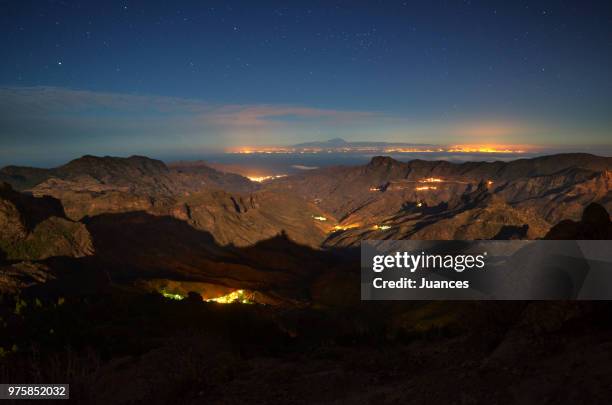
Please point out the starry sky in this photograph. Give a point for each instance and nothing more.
(173, 77)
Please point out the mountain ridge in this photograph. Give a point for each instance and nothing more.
(336, 205)
(374, 196)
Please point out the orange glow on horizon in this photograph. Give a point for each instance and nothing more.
(487, 149)
(458, 148)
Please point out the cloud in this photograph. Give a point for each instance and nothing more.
(60, 103)
(43, 99)
(35, 121)
(302, 167)
(32, 114)
(266, 115)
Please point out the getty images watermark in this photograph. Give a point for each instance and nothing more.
(494, 270)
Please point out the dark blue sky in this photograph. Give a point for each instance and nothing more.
(127, 77)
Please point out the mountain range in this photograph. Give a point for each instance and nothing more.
(186, 221)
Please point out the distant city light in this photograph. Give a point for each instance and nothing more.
(377, 149)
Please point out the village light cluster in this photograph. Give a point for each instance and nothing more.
(261, 179)
(431, 180)
(237, 296)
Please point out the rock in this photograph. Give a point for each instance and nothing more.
(18, 276)
(35, 228)
(595, 224)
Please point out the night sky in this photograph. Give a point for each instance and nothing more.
(142, 77)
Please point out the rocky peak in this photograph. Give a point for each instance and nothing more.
(337, 142)
(113, 166)
(594, 225)
(36, 228)
(12, 226)
(383, 161)
(5, 187)
(595, 214)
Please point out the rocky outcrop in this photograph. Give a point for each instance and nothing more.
(36, 228)
(594, 225)
(18, 276)
(198, 175)
(243, 220)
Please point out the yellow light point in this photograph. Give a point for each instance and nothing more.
(238, 296)
(319, 218)
(374, 189)
(419, 204)
(345, 227)
(431, 180)
(489, 182)
(171, 296)
(424, 188)
(381, 227)
(261, 179)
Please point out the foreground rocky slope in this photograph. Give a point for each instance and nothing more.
(40, 246)
(351, 351)
(594, 224)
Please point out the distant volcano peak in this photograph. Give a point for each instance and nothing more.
(336, 141)
(330, 143)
